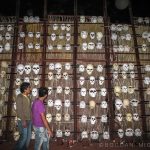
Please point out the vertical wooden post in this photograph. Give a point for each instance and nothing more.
(74, 69)
(140, 86)
(12, 72)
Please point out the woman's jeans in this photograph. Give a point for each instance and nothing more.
(41, 138)
(25, 136)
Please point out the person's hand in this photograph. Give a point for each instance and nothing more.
(24, 123)
(50, 134)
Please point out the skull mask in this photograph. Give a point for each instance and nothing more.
(92, 92)
(136, 117)
(67, 117)
(34, 92)
(103, 91)
(49, 117)
(84, 34)
(81, 68)
(68, 36)
(99, 68)
(59, 89)
(67, 90)
(67, 133)
(118, 104)
(68, 27)
(82, 80)
(58, 67)
(134, 102)
(67, 103)
(17, 91)
(104, 118)
(106, 135)
(50, 90)
(82, 19)
(2, 90)
(16, 135)
(50, 103)
(92, 80)
(138, 132)
(129, 117)
(84, 119)
(92, 104)
(91, 46)
(37, 46)
(89, 69)
(94, 135)
(36, 68)
(99, 45)
(51, 66)
(58, 117)
(120, 133)
(83, 91)
(82, 104)
(27, 69)
(67, 66)
(50, 76)
(92, 35)
(129, 132)
(55, 26)
(58, 104)
(119, 117)
(37, 35)
(27, 79)
(59, 133)
(93, 120)
(53, 36)
(36, 81)
(68, 47)
(84, 135)
(65, 76)
(18, 81)
(58, 75)
(99, 36)
(84, 46)
(101, 80)
(104, 104)
(124, 89)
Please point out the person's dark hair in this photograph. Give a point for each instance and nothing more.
(24, 86)
(43, 91)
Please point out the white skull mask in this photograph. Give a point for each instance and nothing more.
(51, 66)
(20, 69)
(93, 19)
(7, 47)
(67, 132)
(106, 135)
(37, 35)
(36, 81)
(58, 104)
(58, 117)
(131, 66)
(50, 76)
(37, 46)
(89, 69)
(99, 68)
(81, 68)
(99, 45)
(58, 67)
(84, 119)
(50, 90)
(22, 34)
(18, 81)
(119, 27)
(147, 68)
(34, 92)
(104, 118)
(124, 89)
(119, 117)
(146, 80)
(129, 132)
(61, 36)
(16, 135)
(120, 133)
(62, 26)
(67, 90)
(82, 104)
(146, 20)
(144, 47)
(101, 80)
(118, 104)
(30, 45)
(17, 91)
(68, 27)
(27, 79)
(92, 35)
(33, 135)
(3, 74)
(59, 89)
(92, 92)
(91, 46)
(8, 36)
(103, 91)
(65, 76)
(49, 117)
(128, 37)
(84, 46)
(84, 34)
(100, 19)
(114, 36)
(67, 103)
(121, 48)
(55, 26)
(59, 133)
(50, 47)
(125, 67)
(36, 68)
(93, 120)
(30, 34)
(82, 80)
(115, 67)
(124, 75)
(50, 103)
(27, 69)
(134, 102)
(59, 46)
(26, 19)
(68, 47)
(67, 117)
(20, 46)
(92, 80)
(136, 117)
(104, 104)
(117, 90)
(83, 91)
(94, 135)
(53, 36)
(58, 75)
(68, 36)
(82, 19)
(132, 74)
(2, 27)
(2, 90)
(138, 132)
(99, 36)
(67, 66)
(84, 135)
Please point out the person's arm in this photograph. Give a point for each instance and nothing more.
(46, 124)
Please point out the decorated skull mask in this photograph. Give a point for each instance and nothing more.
(92, 80)
(20, 69)
(129, 132)
(36, 68)
(34, 92)
(92, 92)
(120, 133)
(118, 104)
(58, 67)
(93, 120)
(83, 91)
(50, 103)
(58, 104)
(27, 69)
(103, 91)
(115, 75)
(82, 80)
(81, 68)
(104, 104)
(94, 135)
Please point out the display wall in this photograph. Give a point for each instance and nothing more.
(98, 82)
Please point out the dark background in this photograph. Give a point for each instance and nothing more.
(141, 8)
